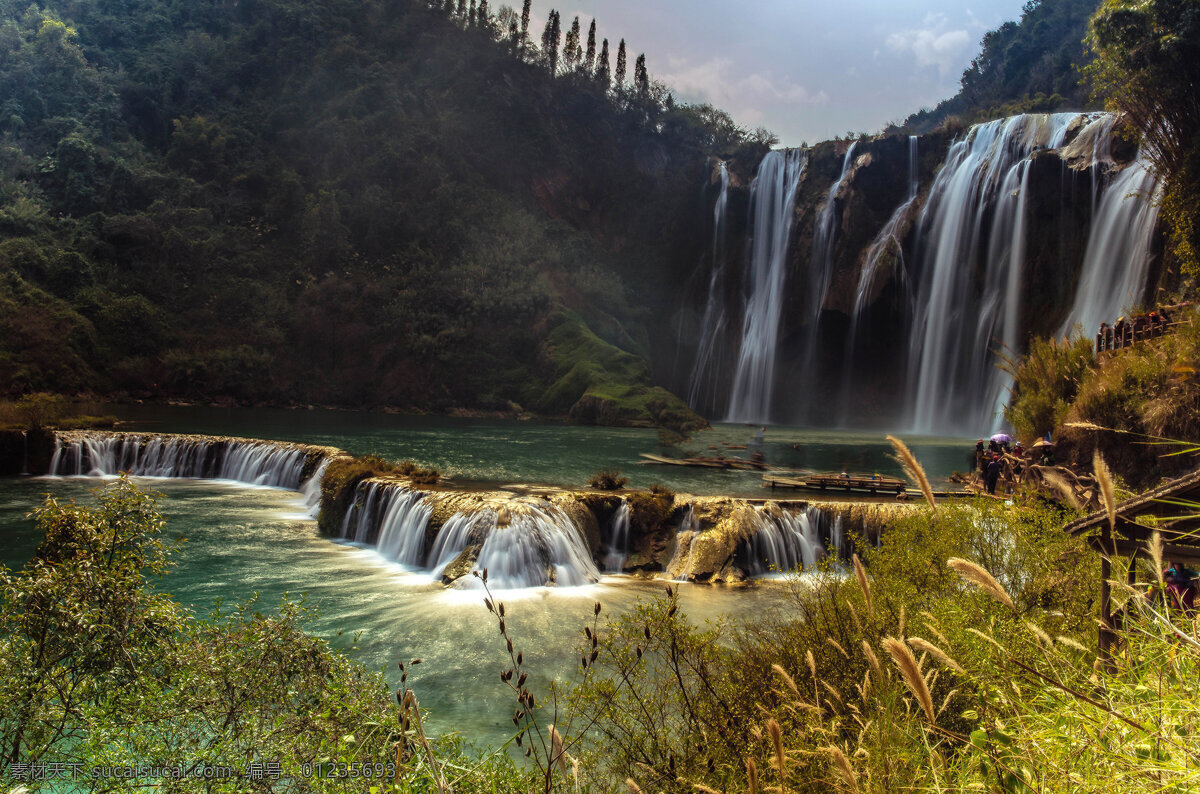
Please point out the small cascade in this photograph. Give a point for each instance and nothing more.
(1119, 250)
(310, 490)
(361, 523)
(251, 462)
(679, 569)
(522, 544)
(977, 198)
(455, 535)
(772, 204)
(886, 250)
(402, 528)
(617, 541)
(539, 546)
(820, 266)
(784, 541)
(704, 371)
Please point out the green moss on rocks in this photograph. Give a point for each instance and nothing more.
(596, 382)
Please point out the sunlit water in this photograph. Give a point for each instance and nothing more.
(508, 451)
(239, 540)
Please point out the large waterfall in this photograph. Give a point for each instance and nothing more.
(1118, 255)
(954, 384)
(1005, 238)
(522, 543)
(772, 204)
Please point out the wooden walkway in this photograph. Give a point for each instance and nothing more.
(1130, 538)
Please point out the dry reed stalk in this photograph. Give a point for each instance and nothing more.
(633, 787)
(705, 789)
(863, 584)
(812, 663)
(946, 702)
(935, 652)
(977, 575)
(907, 664)
(872, 659)
(844, 767)
(1059, 483)
(776, 734)
(1070, 643)
(983, 636)
(837, 645)
(832, 691)
(1040, 633)
(1156, 554)
(558, 754)
(913, 469)
(752, 775)
(787, 679)
(1107, 489)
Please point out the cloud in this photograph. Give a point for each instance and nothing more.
(933, 44)
(715, 81)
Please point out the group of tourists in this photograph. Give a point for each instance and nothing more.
(1125, 332)
(1002, 452)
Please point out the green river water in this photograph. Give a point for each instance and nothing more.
(241, 540)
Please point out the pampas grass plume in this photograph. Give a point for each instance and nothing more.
(903, 657)
(752, 774)
(787, 679)
(977, 575)
(913, 468)
(863, 584)
(844, 767)
(776, 734)
(1107, 490)
(935, 652)
(1062, 486)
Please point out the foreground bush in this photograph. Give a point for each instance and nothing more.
(824, 694)
(100, 668)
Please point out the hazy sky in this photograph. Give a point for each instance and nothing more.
(805, 70)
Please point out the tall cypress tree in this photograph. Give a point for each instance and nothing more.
(619, 77)
(525, 26)
(483, 18)
(462, 9)
(602, 76)
(589, 60)
(471, 15)
(572, 53)
(551, 36)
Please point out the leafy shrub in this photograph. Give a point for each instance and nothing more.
(608, 480)
(99, 667)
(1045, 382)
(418, 475)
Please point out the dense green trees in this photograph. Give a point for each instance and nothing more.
(325, 201)
(1027, 66)
(1148, 67)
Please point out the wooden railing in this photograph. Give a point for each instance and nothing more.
(1115, 337)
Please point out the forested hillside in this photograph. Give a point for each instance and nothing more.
(1032, 65)
(338, 201)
